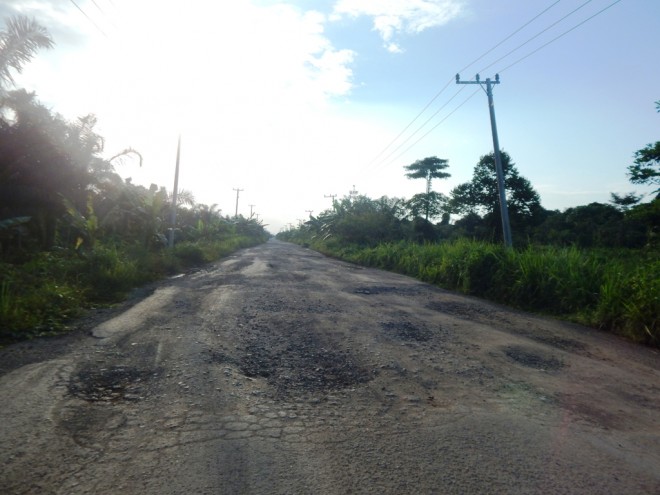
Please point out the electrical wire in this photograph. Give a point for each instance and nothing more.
(89, 18)
(423, 124)
(536, 35)
(411, 122)
(377, 159)
(435, 126)
(385, 160)
(509, 37)
(560, 36)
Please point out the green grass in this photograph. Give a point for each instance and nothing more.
(615, 290)
(40, 296)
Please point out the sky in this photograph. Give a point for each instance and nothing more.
(292, 101)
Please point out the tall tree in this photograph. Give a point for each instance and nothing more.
(19, 42)
(646, 167)
(428, 169)
(480, 195)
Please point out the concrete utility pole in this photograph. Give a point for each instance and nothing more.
(504, 211)
(237, 193)
(251, 206)
(332, 197)
(175, 194)
(310, 212)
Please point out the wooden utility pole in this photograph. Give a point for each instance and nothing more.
(237, 193)
(175, 194)
(504, 211)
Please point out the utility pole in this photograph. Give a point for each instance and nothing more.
(175, 194)
(251, 206)
(504, 211)
(237, 193)
(353, 192)
(310, 212)
(332, 197)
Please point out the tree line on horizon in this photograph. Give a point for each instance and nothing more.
(624, 222)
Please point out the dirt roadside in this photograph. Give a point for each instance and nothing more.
(279, 371)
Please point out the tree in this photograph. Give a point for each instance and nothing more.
(428, 169)
(646, 167)
(19, 41)
(480, 195)
(624, 202)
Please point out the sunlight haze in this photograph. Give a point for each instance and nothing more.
(293, 100)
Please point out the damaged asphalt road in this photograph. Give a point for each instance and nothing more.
(280, 371)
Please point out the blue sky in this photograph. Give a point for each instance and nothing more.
(294, 100)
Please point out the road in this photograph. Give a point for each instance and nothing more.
(280, 371)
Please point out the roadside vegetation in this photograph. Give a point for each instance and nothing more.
(73, 233)
(597, 264)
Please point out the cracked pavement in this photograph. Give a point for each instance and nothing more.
(280, 371)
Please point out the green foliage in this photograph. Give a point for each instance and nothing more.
(428, 169)
(430, 203)
(480, 197)
(40, 296)
(596, 225)
(616, 290)
(646, 167)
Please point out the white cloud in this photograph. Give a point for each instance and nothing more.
(251, 88)
(393, 18)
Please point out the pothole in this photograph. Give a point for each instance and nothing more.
(404, 330)
(109, 384)
(303, 367)
(533, 359)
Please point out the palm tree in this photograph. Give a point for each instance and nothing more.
(19, 41)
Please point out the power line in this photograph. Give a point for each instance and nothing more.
(449, 82)
(508, 37)
(434, 127)
(536, 35)
(421, 126)
(89, 18)
(98, 7)
(412, 121)
(560, 36)
(490, 65)
(104, 14)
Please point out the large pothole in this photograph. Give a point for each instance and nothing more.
(116, 383)
(302, 367)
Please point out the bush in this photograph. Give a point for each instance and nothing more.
(39, 296)
(616, 290)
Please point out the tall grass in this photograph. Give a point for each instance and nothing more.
(615, 290)
(39, 297)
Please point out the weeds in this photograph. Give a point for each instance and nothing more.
(38, 297)
(615, 290)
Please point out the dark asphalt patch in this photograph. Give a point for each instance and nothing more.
(404, 330)
(380, 289)
(304, 366)
(109, 384)
(533, 359)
